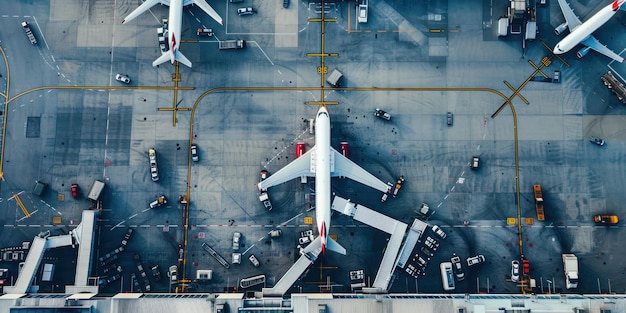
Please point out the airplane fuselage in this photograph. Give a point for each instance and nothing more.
(175, 25)
(322, 173)
(585, 29)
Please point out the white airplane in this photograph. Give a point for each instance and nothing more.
(174, 22)
(582, 32)
(322, 162)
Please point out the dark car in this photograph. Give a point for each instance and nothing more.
(450, 118)
(382, 114)
(597, 141)
(127, 235)
(285, 4)
(156, 272)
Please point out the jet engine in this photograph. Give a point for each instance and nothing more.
(560, 29)
(581, 53)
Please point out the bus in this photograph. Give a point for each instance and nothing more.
(447, 277)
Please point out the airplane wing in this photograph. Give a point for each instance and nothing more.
(571, 18)
(594, 44)
(298, 167)
(143, 8)
(347, 168)
(206, 8)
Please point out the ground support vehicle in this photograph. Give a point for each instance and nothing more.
(232, 44)
(570, 268)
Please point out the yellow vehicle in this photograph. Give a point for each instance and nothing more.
(606, 219)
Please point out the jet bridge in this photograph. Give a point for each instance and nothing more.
(372, 218)
(83, 233)
(381, 222)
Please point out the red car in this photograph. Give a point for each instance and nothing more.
(300, 149)
(345, 149)
(75, 190)
(526, 266)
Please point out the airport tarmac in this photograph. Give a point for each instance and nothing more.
(80, 134)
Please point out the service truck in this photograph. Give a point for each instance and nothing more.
(334, 79)
(39, 188)
(232, 44)
(263, 197)
(503, 26)
(96, 190)
(531, 25)
(570, 267)
(539, 202)
(29, 33)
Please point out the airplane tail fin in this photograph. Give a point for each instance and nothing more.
(167, 57)
(333, 245)
(315, 248)
(162, 59)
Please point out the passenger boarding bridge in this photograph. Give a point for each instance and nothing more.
(82, 235)
(396, 253)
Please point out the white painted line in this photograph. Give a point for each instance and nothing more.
(243, 253)
(118, 224)
(132, 216)
(266, 56)
(41, 33)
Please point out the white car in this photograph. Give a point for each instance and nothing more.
(439, 232)
(305, 240)
(194, 153)
(173, 274)
(475, 161)
(515, 271)
(245, 11)
(236, 258)
(236, 237)
(254, 260)
(362, 13)
(122, 78)
(473, 260)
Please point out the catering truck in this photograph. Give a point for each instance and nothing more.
(96, 190)
(570, 267)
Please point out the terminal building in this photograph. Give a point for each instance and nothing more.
(313, 303)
